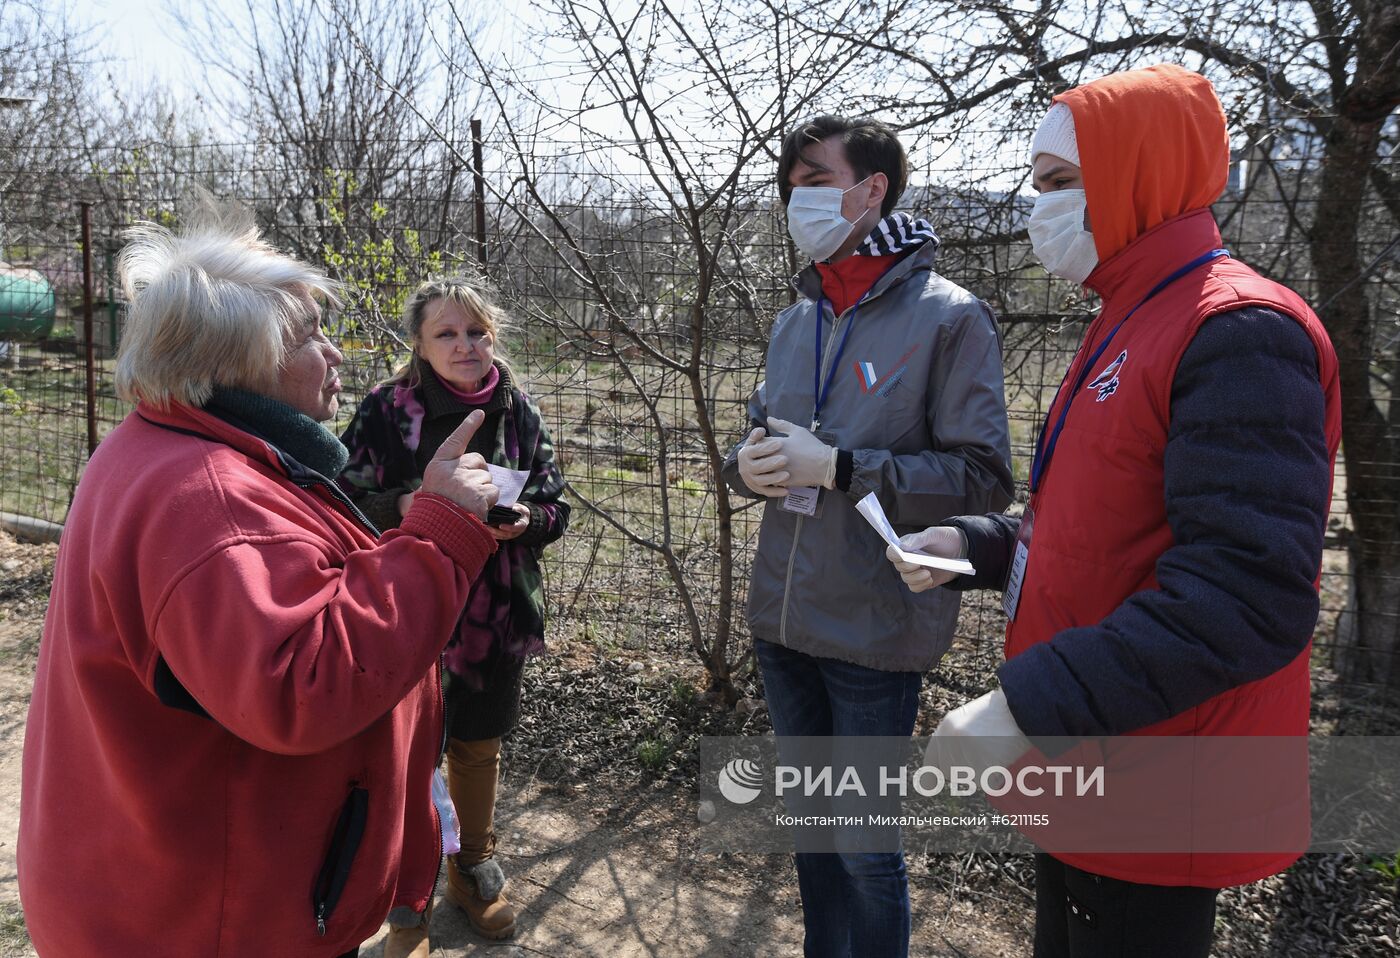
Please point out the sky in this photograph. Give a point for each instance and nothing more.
(142, 38)
(144, 44)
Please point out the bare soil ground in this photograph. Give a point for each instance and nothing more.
(617, 876)
(599, 836)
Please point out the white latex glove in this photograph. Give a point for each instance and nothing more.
(761, 466)
(810, 461)
(978, 734)
(947, 542)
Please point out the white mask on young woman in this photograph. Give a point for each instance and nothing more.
(815, 222)
(1058, 236)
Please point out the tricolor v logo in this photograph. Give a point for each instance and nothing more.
(870, 382)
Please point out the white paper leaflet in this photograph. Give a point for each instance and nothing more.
(875, 515)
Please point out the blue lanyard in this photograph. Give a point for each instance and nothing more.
(1043, 452)
(820, 389)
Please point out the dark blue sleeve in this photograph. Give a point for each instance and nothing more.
(1247, 480)
(991, 542)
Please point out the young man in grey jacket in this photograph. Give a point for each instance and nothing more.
(884, 377)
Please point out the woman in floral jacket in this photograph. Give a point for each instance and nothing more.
(454, 369)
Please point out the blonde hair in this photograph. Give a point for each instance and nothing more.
(466, 293)
(212, 304)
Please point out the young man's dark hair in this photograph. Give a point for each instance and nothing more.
(871, 147)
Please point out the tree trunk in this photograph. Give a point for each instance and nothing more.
(1368, 635)
(1369, 647)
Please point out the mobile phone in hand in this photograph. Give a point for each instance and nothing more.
(501, 516)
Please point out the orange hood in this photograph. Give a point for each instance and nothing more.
(1152, 145)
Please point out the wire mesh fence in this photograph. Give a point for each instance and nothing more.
(640, 333)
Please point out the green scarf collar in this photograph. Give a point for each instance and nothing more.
(293, 432)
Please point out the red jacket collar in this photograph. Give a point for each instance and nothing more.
(189, 419)
(1130, 274)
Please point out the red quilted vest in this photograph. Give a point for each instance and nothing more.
(1100, 511)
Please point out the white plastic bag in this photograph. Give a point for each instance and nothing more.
(447, 815)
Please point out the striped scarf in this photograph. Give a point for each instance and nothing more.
(897, 233)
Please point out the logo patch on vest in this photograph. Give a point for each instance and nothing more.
(1106, 382)
(882, 385)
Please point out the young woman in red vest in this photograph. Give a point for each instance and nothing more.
(1163, 578)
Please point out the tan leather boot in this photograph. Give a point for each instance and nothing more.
(473, 768)
(410, 942)
(407, 943)
(474, 879)
(494, 919)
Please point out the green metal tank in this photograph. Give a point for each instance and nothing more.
(27, 304)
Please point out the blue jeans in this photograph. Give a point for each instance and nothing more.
(854, 904)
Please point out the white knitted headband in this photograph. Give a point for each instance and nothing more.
(1056, 135)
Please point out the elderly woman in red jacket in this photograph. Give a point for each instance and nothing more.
(237, 711)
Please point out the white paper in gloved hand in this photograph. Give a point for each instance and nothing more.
(875, 515)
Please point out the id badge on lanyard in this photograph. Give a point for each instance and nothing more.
(1011, 598)
(802, 501)
(807, 500)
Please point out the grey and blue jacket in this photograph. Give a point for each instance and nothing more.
(917, 406)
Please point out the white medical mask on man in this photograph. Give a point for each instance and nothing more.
(1058, 236)
(815, 222)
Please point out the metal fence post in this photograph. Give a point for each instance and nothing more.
(89, 359)
(479, 186)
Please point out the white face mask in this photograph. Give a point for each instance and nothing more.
(815, 222)
(1058, 235)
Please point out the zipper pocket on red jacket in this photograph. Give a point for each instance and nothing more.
(437, 816)
(337, 494)
(335, 870)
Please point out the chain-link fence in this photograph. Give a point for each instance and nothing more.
(639, 332)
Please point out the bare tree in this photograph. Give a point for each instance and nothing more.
(348, 172)
(45, 64)
(668, 285)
